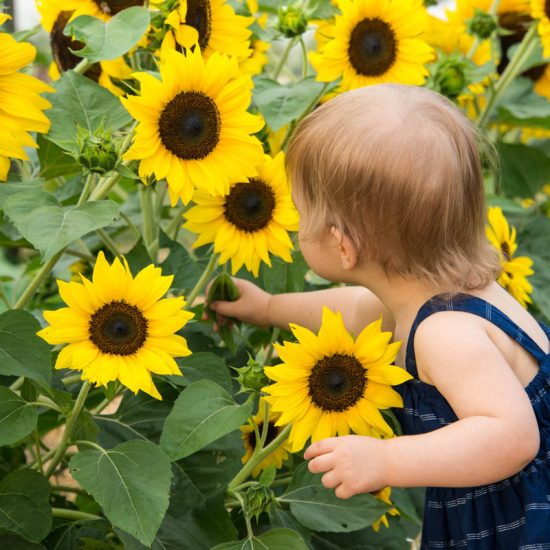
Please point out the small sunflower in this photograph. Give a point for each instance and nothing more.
(250, 221)
(540, 9)
(212, 24)
(56, 14)
(278, 456)
(118, 327)
(258, 59)
(384, 496)
(514, 270)
(375, 42)
(194, 129)
(20, 103)
(329, 384)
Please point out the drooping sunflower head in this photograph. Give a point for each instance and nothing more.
(515, 270)
(194, 128)
(375, 42)
(117, 327)
(249, 439)
(329, 384)
(250, 221)
(213, 25)
(384, 495)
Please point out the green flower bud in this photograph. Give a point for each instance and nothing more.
(97, 152)
(292, 21)
(258, 498)
(450, 76)
(251, 377)
(482, 24)
(222, 288)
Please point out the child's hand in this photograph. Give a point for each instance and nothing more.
(353, 464)
(251, 306)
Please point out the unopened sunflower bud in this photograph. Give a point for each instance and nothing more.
(222, 288)
(251, 377)
(292, 21)
(258, 498)
(97, 152)
(482, 24)
(450, 76)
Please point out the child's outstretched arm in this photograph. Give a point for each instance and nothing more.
(495, 437)
(358, 306)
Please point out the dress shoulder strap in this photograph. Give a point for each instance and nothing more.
(477, 306)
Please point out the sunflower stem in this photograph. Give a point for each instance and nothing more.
(257, 457)
(131, 225)
(44, 458)
(77, 515)
(271, 349)
(69, 427)
(249, 530)
(108, 242)
(201, 283)
(82, 67)
(151, 243)
(265, 426)
(291, 43)
(85, 193)
(304, 56)
(513, 69)
(172, 229)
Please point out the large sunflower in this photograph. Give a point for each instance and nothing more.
(55, 15)
(514, 270)
(250, 221)
(329, 384)
(375, 42)
(20, 103)
(540, 9)
(278, 456)
(212, 24)
(118, 327)
(194, 129)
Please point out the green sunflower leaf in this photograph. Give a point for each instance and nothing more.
(50, 227)
(24, 505)
(17, 417)
(202, 413)
(111, 39)
(281, 104)
(80, 102)
(130, 482)
(276, 539)
(22, 352)
(318, 508)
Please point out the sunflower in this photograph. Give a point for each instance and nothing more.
(20, 103)
(514, 270)
(384, 496)
(55, 15)
(193, 125)
(117, 327)
(258, 59)
(375, 42)
(250, 221)
(212, 24)
(330, 384)
(540, 9)
(278, 456)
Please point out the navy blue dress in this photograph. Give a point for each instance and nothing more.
(511, 514)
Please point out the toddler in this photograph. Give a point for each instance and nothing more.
(389, 186)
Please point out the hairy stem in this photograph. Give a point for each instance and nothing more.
(201, 283)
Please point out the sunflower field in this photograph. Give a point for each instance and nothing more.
(142, 156)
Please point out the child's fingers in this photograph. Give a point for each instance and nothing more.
(320, 447)
(321, 463)
(330, 480)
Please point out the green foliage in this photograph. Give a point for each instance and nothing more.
(48, 225)
(17, 417)
(22, 353)
(317, 507)
(202, 413)
(141, 473)
(111, 39)
(276, 539)
(24, 505)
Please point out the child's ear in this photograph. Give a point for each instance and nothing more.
(348, 251)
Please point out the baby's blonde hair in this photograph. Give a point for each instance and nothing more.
(397, 169)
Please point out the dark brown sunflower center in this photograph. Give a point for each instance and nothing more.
(199, 17)
(62, 45)
(249, 205)
(505, 247)
(337, 382)
(118, 328)
(112, 7)
(372, 47)
(547, 8)
(189, 125)
(272, 433)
